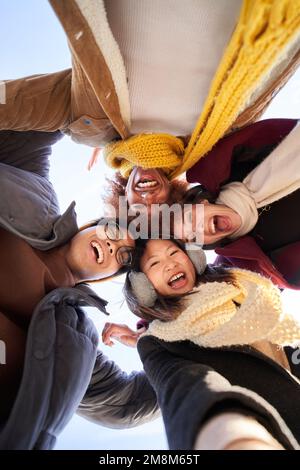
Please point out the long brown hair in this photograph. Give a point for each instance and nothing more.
(167, 308)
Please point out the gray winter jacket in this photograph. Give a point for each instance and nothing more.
(62, 368)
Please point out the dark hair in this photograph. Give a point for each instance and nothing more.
(198, 193)
(116, 187)
(167, 308)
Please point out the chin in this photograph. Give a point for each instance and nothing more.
(187, 290)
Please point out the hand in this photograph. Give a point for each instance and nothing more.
(94, 158)
(121, 333)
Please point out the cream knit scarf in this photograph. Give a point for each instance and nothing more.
(276, 177)
(212, 318)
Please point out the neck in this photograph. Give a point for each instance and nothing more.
(64, 253)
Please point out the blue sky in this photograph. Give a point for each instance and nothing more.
(32, 41)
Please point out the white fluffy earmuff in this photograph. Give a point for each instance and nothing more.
(143, 289)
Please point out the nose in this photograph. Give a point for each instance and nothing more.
(170, 265)
(111, 246)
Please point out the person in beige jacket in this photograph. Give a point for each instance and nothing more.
(90, 101)
(135, 69)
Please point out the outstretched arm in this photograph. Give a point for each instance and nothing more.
(28, 151)
(190, 393)
(38, 102)
(116, 399)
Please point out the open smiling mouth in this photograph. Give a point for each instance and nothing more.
(98, 251)
(177, 280)
(147, 184)
(219, 223)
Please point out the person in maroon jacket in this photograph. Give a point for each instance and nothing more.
(268, 243)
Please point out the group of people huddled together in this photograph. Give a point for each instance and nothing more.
(170, 95)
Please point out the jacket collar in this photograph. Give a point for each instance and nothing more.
(85, 22)
(63, 230)
(81, 296)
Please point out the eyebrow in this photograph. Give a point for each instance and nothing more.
(157, 254)
(153, 256)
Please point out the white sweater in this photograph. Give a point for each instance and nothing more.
(171, 50)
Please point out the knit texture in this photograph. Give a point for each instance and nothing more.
(167, 81)
(267, 30)
(145, 150)
(220, 314)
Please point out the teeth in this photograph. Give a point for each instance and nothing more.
(212, 226)
(176, 276)
(147, 184)
(98, 248)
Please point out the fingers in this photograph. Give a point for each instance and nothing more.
(107, 333)
(121, 333)
(94, 158)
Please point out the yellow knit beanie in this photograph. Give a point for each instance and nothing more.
(267, 30)
(146, 150)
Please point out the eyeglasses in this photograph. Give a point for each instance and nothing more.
(124, 254)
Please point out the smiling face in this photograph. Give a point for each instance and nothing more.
(92, 255)
(147, 187)
(168, 268)
(218, 222)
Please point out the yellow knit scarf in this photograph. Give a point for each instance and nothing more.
(218, 314)
(265, 32)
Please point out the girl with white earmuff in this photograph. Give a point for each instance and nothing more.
(211, 306)
(215, 345)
